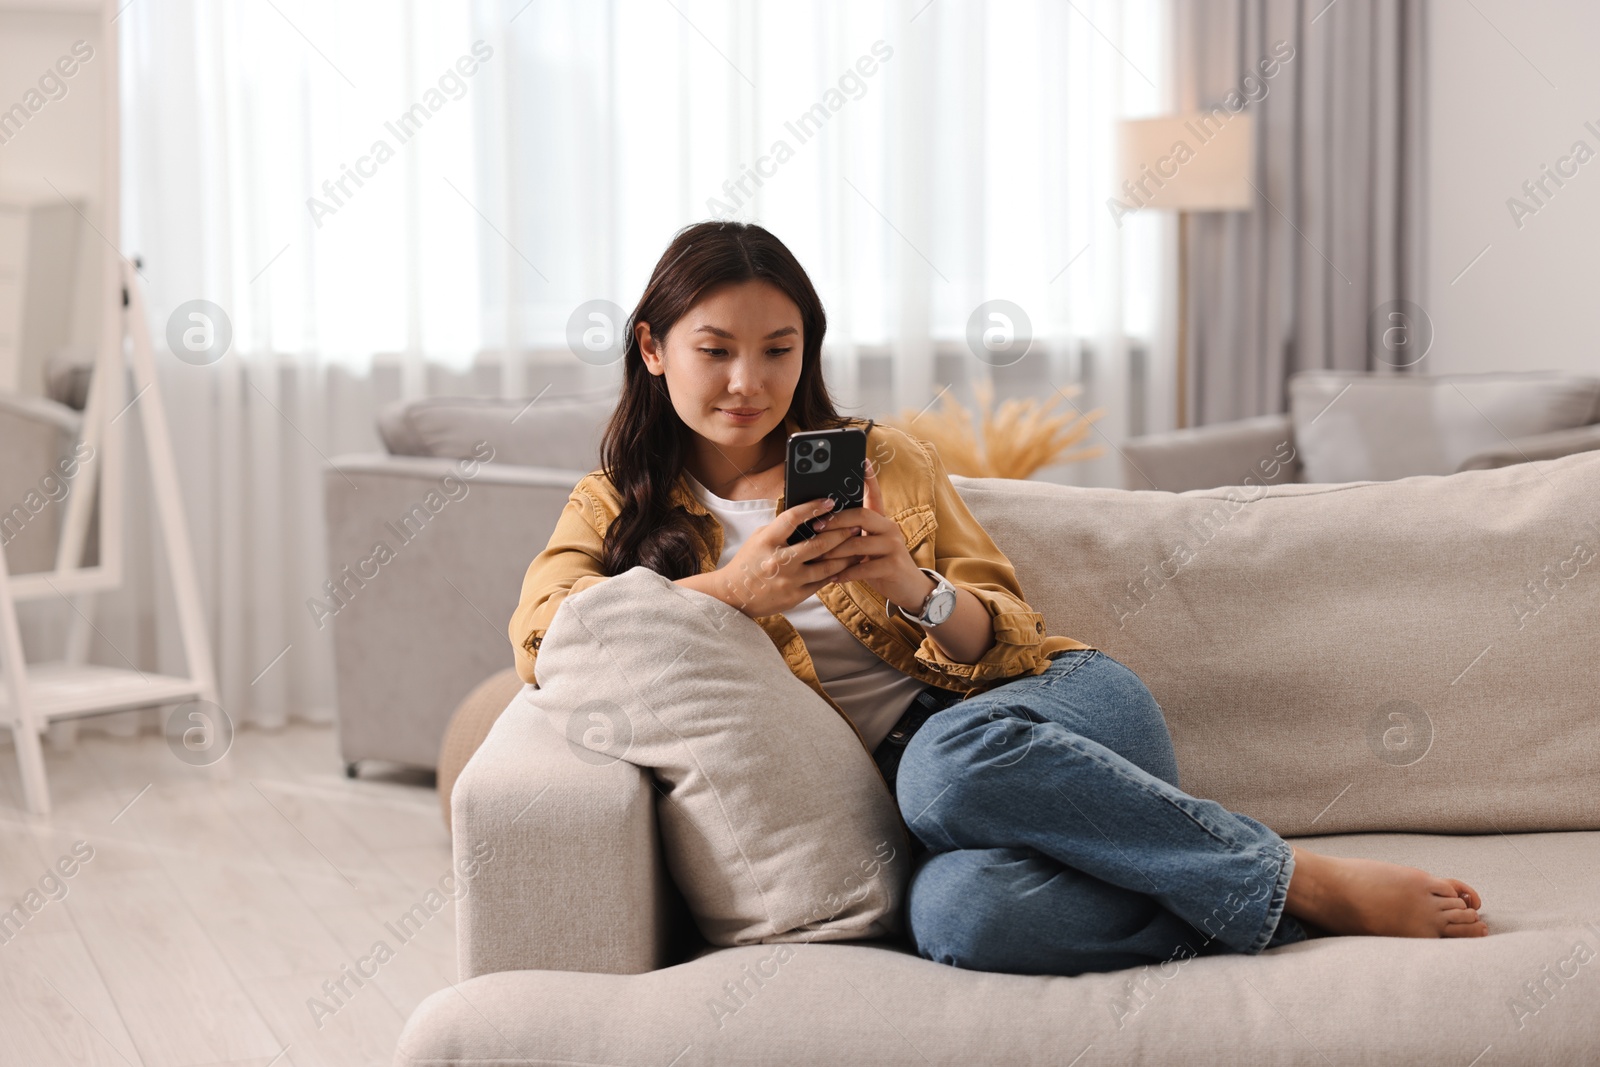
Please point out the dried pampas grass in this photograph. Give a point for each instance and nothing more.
(1017, 440)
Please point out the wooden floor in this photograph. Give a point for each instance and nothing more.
(216, 904)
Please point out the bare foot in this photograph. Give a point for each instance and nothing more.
(1357, 896)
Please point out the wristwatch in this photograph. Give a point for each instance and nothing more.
(939, 603)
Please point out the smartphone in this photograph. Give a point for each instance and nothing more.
(825, 463)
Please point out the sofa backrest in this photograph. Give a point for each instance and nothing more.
(1415, 655)
(1351, 427)
(562, 432)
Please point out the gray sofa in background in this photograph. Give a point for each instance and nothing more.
(1345, 427)
(419, 630)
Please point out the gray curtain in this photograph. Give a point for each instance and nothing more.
(1336, 234)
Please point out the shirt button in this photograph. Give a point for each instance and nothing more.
(866, 627)
(1039, 626)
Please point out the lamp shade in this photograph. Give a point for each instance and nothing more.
(1198, 162)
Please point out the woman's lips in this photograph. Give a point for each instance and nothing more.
(738, 416)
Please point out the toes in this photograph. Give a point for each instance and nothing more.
(1461, 915)
(1477, 929)
(1452, 888)
(1466, 892)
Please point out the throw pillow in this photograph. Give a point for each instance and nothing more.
(775, 822)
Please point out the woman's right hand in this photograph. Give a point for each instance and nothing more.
(768, 575)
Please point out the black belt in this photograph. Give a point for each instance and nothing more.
(923, 706)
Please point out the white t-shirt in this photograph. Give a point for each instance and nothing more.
(871, 691)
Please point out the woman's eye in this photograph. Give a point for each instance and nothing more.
(724, 351)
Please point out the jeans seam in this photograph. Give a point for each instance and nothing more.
(1093, 652)
(1191, 816)
(1046, 679)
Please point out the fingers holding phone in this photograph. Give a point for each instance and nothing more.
(879, 554)
(872, 500)
(768, 575)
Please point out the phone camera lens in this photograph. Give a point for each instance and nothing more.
(822, 455)
(802, 448)
(802, 465)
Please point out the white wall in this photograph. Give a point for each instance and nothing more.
(1511, 89)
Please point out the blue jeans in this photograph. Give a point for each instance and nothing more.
(1058, 842)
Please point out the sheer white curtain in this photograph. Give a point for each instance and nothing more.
(393, 199)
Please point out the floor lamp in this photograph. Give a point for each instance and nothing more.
(1186, 163)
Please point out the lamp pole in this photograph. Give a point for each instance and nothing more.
(1182, 355)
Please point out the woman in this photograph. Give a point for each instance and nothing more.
(1034, 771)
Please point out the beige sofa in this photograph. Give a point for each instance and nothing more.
(1348, 663)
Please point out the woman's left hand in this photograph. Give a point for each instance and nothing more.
(883, 560)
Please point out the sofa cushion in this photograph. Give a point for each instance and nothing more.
(1409, 655)
(1531, 990)
(1359, 427)
(551, 431)
(775, 822)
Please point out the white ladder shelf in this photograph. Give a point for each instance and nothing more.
(33, 696)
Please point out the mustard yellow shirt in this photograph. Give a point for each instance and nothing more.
(939, 531)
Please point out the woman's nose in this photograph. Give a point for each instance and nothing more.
(744, 377)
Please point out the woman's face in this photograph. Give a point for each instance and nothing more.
(731, 362)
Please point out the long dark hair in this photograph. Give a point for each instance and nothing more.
(645, 442)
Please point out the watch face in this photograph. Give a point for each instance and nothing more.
(944, 602)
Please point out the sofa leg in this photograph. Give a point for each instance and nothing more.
(350, 770)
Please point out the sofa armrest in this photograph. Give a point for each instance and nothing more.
(1535, 447)
(424, 568)
(1260, 449)
(575, 880)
